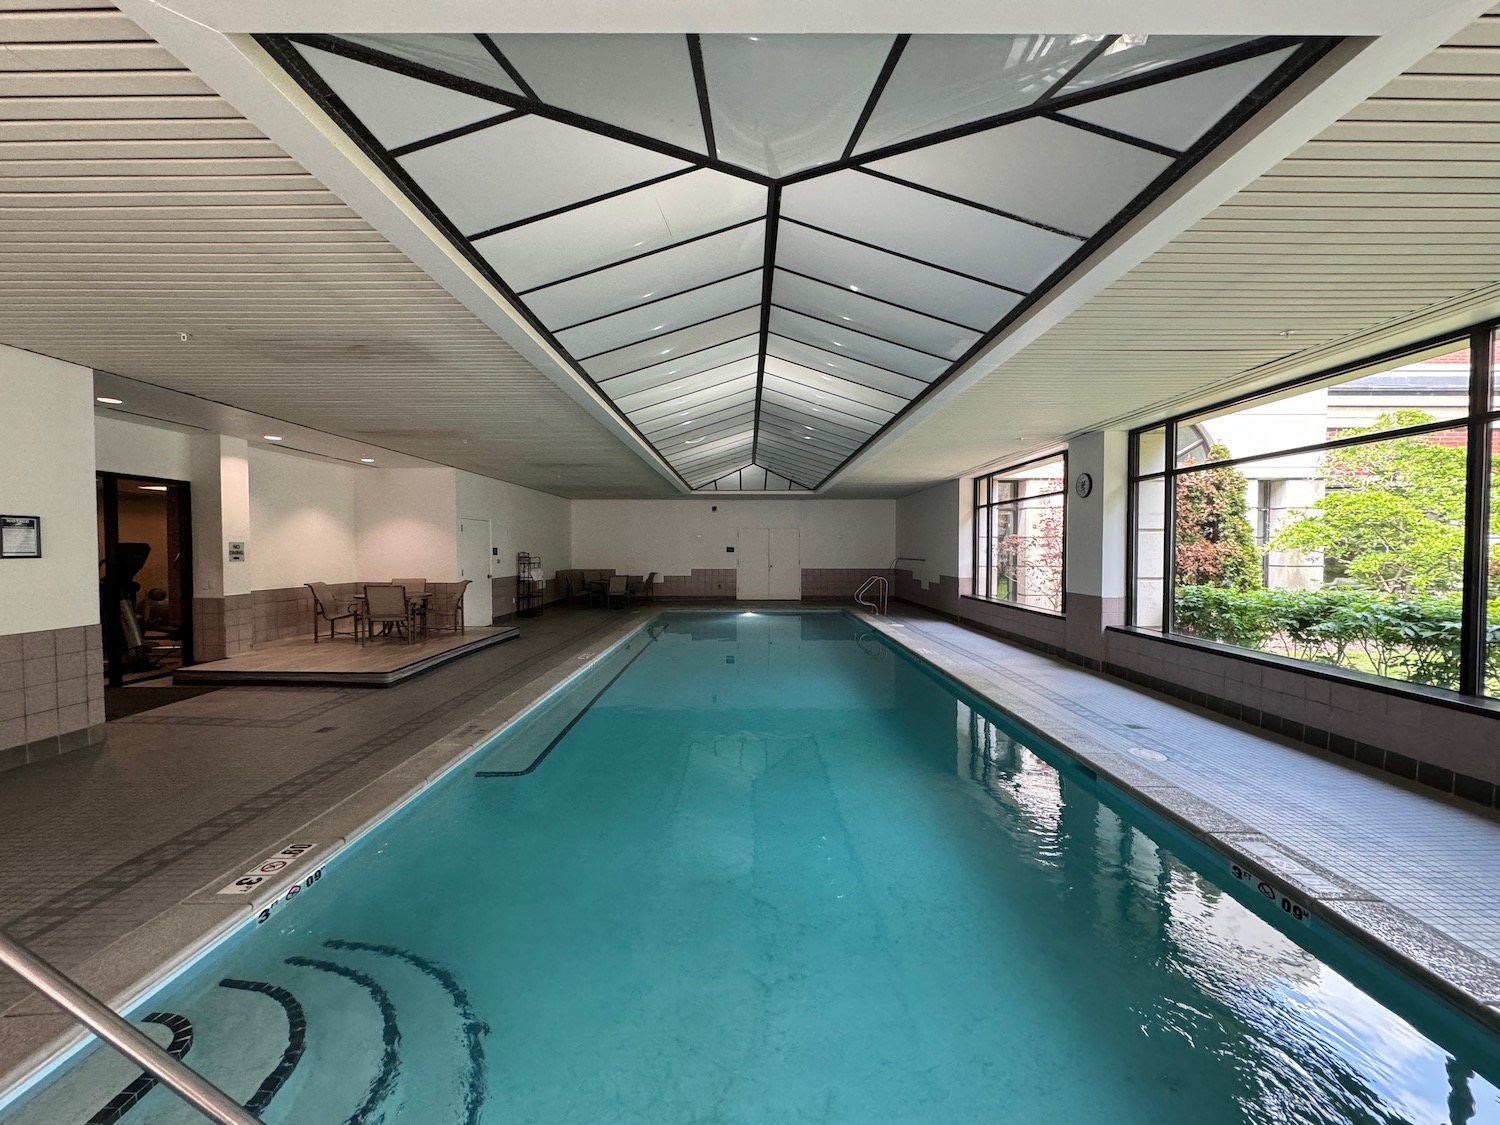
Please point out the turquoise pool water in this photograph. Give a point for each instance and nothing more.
(778, 872)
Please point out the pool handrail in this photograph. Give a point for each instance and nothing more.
(88, 1010)
(882, 593)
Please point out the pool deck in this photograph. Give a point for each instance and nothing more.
(110, 857)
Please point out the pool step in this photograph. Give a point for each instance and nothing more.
(350, 1032)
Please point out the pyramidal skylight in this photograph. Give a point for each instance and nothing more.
(762, 249)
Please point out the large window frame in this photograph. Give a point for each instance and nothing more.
(982, 518)
(1481, 425)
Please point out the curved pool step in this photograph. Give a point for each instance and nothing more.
(442, 1051)
(296, 1039)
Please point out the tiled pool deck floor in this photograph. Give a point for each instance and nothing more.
(105, 853)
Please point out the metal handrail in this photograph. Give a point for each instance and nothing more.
(884, 589)
(139, 1048)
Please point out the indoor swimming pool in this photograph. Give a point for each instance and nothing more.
(765, 867)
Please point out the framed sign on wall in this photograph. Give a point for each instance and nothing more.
(20, 537)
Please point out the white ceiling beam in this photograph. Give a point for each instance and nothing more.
(1152, 17)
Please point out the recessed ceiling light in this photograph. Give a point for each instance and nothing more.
(108, 401)
(855, 288)
(368, 460)
(272, 437)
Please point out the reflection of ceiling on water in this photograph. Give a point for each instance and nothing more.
(762, 249)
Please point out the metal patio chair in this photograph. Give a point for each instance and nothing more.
(387, 605)
(328, 607)
(446, 610)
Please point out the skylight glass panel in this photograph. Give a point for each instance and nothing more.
(843, 341)
(866, 269)
(1132, 55)
(1044, 171)
(645, 408)
(674, 386)
(847, 366)
(626, 226)
(643, 83)
(947, 80)
(838, 305)
(784, 103)
(397, 110)
(654, 276)
(685, 341)
(525, 167)
(734, 351)
(928, 228)
(462, 55)
(659, 317)
(740, 396)
(1178, 112)
(829, 392)
(688, 433)
(772, 394)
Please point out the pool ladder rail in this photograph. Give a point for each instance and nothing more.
(879, 589)
(88, 1010)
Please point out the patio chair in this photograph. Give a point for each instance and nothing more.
(415, 586)
(648, 587)
(328, 607)
(387, 605)
(617, 589)
(446, 609)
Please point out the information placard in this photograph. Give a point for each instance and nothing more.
(20, 537)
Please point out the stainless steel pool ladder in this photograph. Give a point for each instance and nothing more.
(120, 1034)
(881, 597)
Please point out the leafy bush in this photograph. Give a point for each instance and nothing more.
(1413, 638)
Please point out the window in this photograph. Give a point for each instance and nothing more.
(1018, 534)
(1345, 520)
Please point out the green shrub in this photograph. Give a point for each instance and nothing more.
(1413, 637)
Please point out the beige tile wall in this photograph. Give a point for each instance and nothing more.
(51, 693)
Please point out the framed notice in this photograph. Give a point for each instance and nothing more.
(20, 537)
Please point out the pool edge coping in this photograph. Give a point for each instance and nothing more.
(1454, 972)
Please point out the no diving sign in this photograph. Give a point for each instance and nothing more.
(270, 869)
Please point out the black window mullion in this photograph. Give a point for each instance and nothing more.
(1132, 535)
(1169, 530)
(1475, 626)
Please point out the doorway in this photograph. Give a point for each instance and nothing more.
(474, 564)
(769, 564)
(145, 576)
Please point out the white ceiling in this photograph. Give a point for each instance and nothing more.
(136, 204)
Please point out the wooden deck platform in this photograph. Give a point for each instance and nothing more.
(380, 662)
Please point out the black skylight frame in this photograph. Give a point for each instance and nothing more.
(814, 471)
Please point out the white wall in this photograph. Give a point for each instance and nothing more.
(407, 521)
(302, 525)
(1096, 530)
(47, 470)
(676, 536)
(521, 519)
(122, 446)
(927, 527)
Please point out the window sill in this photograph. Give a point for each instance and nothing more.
(1440, 696)
(1057, 614)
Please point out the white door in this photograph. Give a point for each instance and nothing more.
(474, 564)
(753, 561)
(785, 567)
